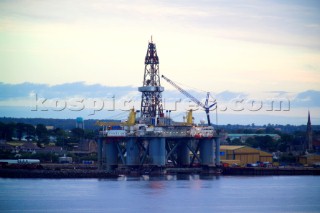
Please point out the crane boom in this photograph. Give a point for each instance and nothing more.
(183, 91)
(205, 106)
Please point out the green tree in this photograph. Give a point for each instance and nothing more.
(20, 128)
(30, 131)
(285, 142)
(9, 130)
(61, 137)
(77, 133)
(42, 133)
(236, 142)
(260, 131)
(2, 130)
(288, 158)
(252, 142)
(89, 134)
(25, 129)
(267, 143)
(248, 131)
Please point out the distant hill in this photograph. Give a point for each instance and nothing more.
(235, 128)
(57, 123)
(90, 124)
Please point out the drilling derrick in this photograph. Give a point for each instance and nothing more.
(149, 145)
(151, 101)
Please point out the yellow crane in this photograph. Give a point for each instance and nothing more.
(130, 122)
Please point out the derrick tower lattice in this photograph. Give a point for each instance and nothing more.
(151, 101)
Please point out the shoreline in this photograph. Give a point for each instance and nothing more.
(89, 173)
(55, 174)
(258, 171)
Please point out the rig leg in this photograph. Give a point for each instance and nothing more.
(217, 151)
(206, 151)
(157, 151)
(111, 155)
(183, 153)
(132, 147)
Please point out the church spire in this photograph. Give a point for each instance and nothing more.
(309, 121)
(309, 140)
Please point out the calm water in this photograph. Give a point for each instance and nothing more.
(163, 194)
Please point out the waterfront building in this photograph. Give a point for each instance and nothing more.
(244, 154)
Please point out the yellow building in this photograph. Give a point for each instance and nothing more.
(244, 154)
(309, 159)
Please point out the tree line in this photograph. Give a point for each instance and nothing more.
(286, 143)
(40, 134)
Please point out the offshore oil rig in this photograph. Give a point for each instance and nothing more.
(150, 142)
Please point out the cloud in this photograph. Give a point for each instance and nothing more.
(309, 98)
(9, 91)
(81, 89)
(15, 101)
(228, 95)
(67, 90)
(250, 21)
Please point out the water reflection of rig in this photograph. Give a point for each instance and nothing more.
(151, 142)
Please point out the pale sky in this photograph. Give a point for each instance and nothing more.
(240, 46)
(219, 45)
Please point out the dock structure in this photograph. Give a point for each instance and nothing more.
(153, 142)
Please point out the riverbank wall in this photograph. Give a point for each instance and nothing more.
(271, 171)
(75, 173)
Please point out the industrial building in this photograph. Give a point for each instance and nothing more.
(309, 159)
(244, 155)
(150, 141)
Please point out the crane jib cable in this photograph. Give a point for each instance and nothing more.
(205, 105)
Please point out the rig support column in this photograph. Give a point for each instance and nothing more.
(100, 142)
(133, 158)
(183, 153)
(206, 151)
(157, 151)
(217, 139)
(111, 155)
